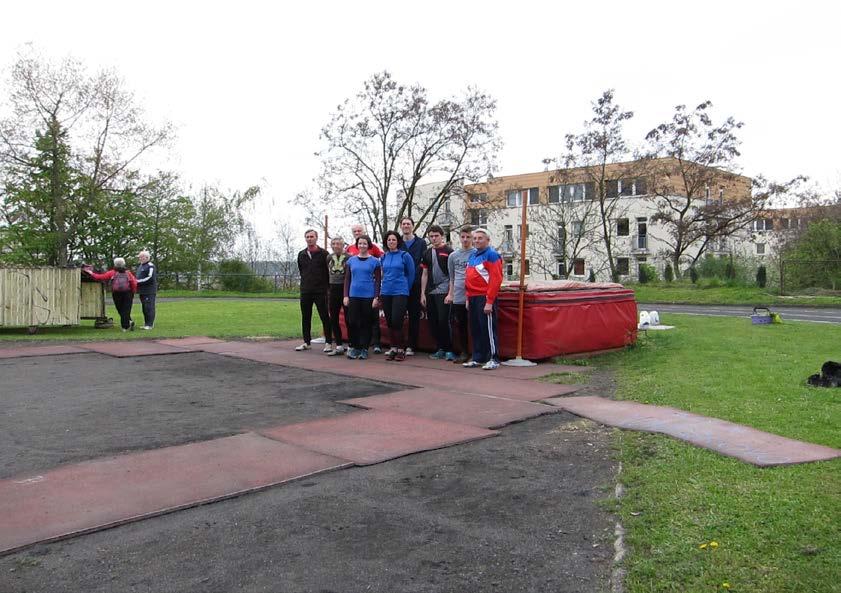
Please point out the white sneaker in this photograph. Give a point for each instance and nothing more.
(340, 349)
(302, 347)
(410, 352)
(146, 327)
(328, 347)
(471, 364)
(490, 365)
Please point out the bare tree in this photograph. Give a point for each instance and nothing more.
(700, 198)
(388, 138)
(592, 158)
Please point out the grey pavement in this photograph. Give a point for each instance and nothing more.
(812, 314)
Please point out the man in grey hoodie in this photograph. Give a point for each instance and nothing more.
(457, 295)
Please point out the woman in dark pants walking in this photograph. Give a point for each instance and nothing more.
(398, 276)
(362, 287)
(123, 287)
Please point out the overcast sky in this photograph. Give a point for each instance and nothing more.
(249, 86)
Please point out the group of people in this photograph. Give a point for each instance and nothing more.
(124, 285)
(456, 288)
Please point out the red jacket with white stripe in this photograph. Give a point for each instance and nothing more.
(484, 274)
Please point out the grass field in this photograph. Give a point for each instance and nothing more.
(211, 317)
(690, 294)
(778, 529)
(212, 294)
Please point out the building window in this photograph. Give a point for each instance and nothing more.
(577, 228)
(478, 198)
(578, 267)
(508, 234)
(634, 186)
(623, 265)
(561, 239)
(611, 188)
(761, 225)
(520, 231)
(478, 217)
(785, 223)
(514, 198)
(760, 249)
(509, 269)
(528, 268)
(623, 227)
(642, 233)
(554, 194)
(576, 192)
(562, 269)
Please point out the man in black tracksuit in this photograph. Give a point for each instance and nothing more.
(147, 287)
(315, 282)
(416, 247)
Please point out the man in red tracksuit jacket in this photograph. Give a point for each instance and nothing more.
(482, 281)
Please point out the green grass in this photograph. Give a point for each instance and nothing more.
(280, 319)
(778, 529)
(211, 294)
(689, 294)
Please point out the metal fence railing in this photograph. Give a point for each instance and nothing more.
(229, 282)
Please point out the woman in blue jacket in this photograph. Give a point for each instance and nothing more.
(362, 289)
(398, 276)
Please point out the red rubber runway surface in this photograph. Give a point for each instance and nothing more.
(135, 348)
(84, 497)
(27, 351)
(461, 408)
(728, 438)
(375, 436)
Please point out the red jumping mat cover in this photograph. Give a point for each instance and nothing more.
(560, 318)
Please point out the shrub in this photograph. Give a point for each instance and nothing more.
(235, 275)
(592, 277)
(693, 274)
(730, 270)
(647, 273)
(761, 277)
(668, 273)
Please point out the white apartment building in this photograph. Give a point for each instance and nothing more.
(564, 224)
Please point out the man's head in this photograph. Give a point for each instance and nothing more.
(144, 256)
(481, 239)
(407, 226)
(465, 235)
(311, 237)
(338, 245)
(358, 230)
(436, 235)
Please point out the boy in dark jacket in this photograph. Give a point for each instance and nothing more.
(435, 284)
(415, 246)
(315, 282)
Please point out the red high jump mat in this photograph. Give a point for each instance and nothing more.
(375, 436)
(93, 495)
(461, 408)
(124, 349)
(27, 351)
(728, 438)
